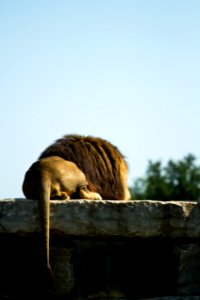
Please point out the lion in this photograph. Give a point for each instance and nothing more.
(101, 162)
(54, 178)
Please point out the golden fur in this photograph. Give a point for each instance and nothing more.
(54, 178)
(101, 162)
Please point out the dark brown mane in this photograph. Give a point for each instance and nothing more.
(101, 162)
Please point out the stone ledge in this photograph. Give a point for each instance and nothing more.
(106, 218)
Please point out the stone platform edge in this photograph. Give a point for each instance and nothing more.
(104, 218)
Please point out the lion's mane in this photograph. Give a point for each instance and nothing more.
(102, 163)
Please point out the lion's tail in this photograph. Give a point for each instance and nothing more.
(45, 192)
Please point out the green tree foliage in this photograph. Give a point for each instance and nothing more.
(176, 181)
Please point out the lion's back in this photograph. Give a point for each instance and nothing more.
(101, 162)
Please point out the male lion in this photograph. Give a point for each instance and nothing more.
(54, 178)
(100, 161)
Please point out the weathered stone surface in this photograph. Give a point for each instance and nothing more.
(63, 270)
(105, 218)
(189, 269)
(158, 257)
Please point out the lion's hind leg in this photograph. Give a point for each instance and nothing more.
(57, 194)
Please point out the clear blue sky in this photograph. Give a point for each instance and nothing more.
(127, 71)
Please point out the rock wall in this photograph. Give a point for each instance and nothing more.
(102, 249)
